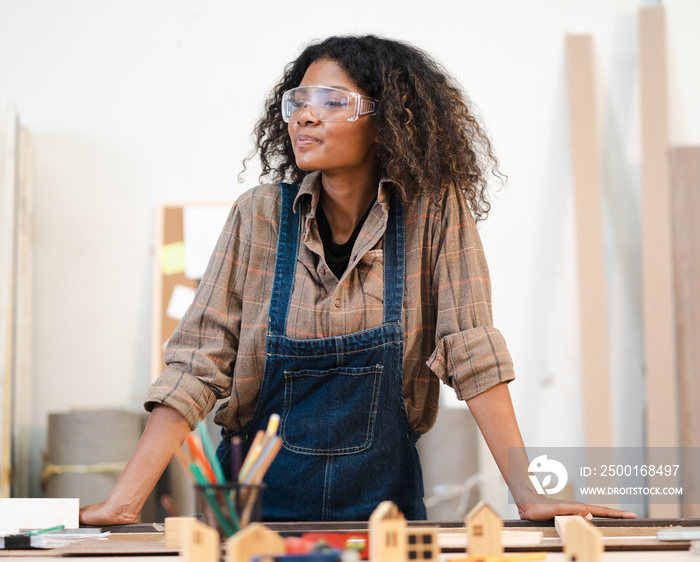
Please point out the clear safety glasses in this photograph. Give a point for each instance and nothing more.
(326, 104)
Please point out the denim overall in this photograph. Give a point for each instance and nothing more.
(347, 442)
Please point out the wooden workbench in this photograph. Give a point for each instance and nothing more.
(625, 541)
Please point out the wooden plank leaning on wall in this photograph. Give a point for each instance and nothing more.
(585, 163)
(684, 163)
(657, 267)
(16, 236)
(8, 203)
(22, 415)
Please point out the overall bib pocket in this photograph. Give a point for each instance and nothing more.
(330, 412)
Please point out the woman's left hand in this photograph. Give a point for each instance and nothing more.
(493, 412)
(544, 509)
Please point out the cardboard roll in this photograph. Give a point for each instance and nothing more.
(87, 451)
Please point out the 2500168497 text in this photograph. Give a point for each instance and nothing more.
(617, 470)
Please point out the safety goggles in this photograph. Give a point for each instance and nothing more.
(326, 104)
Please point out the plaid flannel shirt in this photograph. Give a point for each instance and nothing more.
(218, 349)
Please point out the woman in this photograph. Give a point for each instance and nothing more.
(341, 303)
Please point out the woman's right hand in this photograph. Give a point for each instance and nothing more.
(103, 514)
(165, 431)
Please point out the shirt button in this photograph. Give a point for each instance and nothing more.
(322, 271)
(337, 303)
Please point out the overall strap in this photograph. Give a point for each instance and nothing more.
(285, 261)
(394, 262)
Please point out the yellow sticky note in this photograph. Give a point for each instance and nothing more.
(172, 258)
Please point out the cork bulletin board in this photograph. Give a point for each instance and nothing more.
(178, 264)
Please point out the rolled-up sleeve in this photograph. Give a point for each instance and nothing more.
(201, 353)
(470, 354)
(472, 361)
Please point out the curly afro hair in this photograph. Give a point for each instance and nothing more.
(428, 137)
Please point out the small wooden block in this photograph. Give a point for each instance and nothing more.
(200, 542)
(173, 531)
(679, 534)
(255, 540)
(510, 539)
(504, 558)
(560, 522)
(583, 541)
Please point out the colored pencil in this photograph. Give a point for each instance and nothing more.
(47, 530)
(253, 452)
(257, 474)
(236, 455)
(210, 453)
(199, 456)
(263, 462)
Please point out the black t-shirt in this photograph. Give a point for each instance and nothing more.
(337, 255)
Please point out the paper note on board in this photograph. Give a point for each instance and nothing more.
(202, 225)
(180, 301)
(37, 513)
(172, 258)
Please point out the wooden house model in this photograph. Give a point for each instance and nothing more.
(484, 531)
(582, 541)
(200, 542)
(254, 540)
(387, 537)
(421, 543)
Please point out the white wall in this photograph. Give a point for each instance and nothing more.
(130, 104)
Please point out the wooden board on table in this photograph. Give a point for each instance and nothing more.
(618, 534)
(298, 527)
(511, 539)
(116, 544)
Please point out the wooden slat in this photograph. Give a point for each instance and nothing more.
(618, 535)
(297, 527)
(657, 269)
(15, 304)
(585, 163)
(8, 203)
(513, 540)
(685, 186)
(22, 419)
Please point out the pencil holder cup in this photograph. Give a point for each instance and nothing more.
(230, 506)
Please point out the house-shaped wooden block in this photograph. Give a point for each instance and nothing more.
(173, 531)
(255, 540)
(200, 542)
(387, 539)
(583, 542)
(421, 544)
(484, 529)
